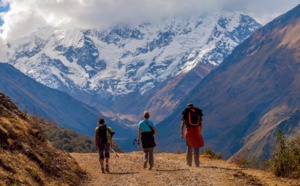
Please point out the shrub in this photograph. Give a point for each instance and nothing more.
(285, 160)
(211, 154)
(178, 151)
(241, 161)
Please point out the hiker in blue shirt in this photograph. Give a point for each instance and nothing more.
(145, 133)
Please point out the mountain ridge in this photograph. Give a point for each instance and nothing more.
(92, 64)
(257, 78)
(52, 104)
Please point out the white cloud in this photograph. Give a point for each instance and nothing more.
(29, 15)
(263, 11)
(3, 49)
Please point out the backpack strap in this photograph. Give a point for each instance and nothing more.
(190, 117)
(151, 128)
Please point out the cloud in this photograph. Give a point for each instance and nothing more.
(263, 11)
(27, 16)
(3, 50)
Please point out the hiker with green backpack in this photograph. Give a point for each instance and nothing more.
(145, 134)
(103, 143)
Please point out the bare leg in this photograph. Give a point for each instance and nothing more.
(146, 157)
(189, 153)
(151, 159)
(101, 163)
(196, 157)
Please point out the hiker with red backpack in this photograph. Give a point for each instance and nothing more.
(103, 143)
(192, 120)
(145, 133)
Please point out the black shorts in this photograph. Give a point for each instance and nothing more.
(104, 150)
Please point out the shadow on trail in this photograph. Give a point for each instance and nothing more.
(171, 170)
(223, 168)
(122, 173)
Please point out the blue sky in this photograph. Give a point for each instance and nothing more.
(3, 9)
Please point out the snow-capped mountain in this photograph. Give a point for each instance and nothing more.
(250, 96)
(128, 59)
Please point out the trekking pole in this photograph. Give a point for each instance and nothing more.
(157, 143)
(114, 152)
(134, 143)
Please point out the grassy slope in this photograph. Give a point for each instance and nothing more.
(26, 157)
(67, 140)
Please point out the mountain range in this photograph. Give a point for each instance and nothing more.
(54, 105)
(252, 94)
(113, 69)
(161, 67)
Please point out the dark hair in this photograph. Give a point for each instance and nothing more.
(101, 121)
(190, 105)
(146, 115)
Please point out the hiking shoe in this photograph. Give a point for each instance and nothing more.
(145, 164)
(102, 170)
(106, 168)
(150, 168)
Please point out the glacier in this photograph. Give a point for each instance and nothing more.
(116, 61)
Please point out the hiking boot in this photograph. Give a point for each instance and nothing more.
(150, 168)
(102, 170)
(145, 164)
(106, 168)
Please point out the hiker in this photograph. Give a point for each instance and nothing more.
(103, 143)
(192, 119)
(145, 133)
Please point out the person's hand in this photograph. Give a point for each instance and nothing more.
(181, 135)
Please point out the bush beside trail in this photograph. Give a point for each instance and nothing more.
(285, 161)
(67, 140)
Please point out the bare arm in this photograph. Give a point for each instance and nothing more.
(96, 140)
(111, 143)
(139, 135)
(182, 128)
(200, 127)
(155, 131)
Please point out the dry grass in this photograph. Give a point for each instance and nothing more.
(26, 157)
(171, 169)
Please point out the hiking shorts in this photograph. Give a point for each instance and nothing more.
(104, 150)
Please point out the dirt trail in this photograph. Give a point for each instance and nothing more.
(170, 169)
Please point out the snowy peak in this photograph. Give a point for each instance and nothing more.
(127, 59)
